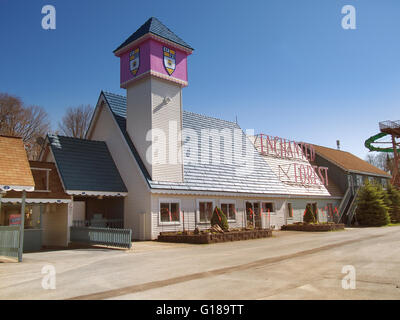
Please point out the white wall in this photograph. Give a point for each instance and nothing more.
(277, 218)
(49, 157)
(299, 206)
(138, 111)
(189, 206)
(162, 114)
(138, 199)
(147, 110)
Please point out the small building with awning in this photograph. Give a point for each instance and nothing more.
(90, 177)
(15, 176)
(46, 209)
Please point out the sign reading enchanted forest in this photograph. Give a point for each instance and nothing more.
(297, 157)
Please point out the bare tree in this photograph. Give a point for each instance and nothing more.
(76, 121)
(29, 123)
(380, 160)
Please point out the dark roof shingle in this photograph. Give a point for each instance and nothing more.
(85, 165)
(154, 26)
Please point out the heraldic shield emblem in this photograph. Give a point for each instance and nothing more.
(134, 61)
(169, 60)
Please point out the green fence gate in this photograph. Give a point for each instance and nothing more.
(9, 241)
(121, 238)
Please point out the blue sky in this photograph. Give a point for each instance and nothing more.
(283, 67)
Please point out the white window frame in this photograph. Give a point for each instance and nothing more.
(260, 202)
(198, 209)
(229, 201)
(359, 180)
(252, 202)
(272, 213)
(372, 179)
(169, 200)
(287, 209)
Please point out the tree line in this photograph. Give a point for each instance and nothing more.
(378, 206)
(381, 160)
(31, 122)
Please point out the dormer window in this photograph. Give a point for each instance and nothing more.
(41, 176)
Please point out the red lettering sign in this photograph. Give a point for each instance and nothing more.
(302, 173)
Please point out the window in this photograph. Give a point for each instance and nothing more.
(229, 210)
(41, 178)
(314, 209)
(10, 215)
(359, 180)
(205, 209)
(268, 207)
(169, 212)
(290, 210)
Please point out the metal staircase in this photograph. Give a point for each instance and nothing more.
(352, 209)
(344, 203)
(348, 205)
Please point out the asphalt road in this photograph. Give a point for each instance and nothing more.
(291, 265)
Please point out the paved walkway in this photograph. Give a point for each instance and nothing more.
(291, 265)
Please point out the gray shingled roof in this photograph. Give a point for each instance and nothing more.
(206, 177)
(154, 26)
(85, 165)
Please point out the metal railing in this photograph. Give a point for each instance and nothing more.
(121, 238)
(349, 202)
(99, 223)
(344, 202)
(9, 241)
(389, 124)
(352, 209)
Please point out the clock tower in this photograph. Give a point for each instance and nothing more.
(153, 70)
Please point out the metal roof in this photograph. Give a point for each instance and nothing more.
(285, 168)
(198, 176)
(85, 165)
(154, 26)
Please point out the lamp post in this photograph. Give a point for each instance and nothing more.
(2, 192)
(22, 226)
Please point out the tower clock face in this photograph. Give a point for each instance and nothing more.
(169, 60)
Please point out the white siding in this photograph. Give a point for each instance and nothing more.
(162, 114)
(137, 202)
(189, 206)
(299, 206)
(278, 218)
(49, 157)
(138, 116)
(147, 110)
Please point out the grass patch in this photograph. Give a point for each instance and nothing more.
(393, 224)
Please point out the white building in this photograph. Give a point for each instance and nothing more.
(178, 165)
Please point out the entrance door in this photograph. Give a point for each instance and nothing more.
(253, 218)
(315, 211)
